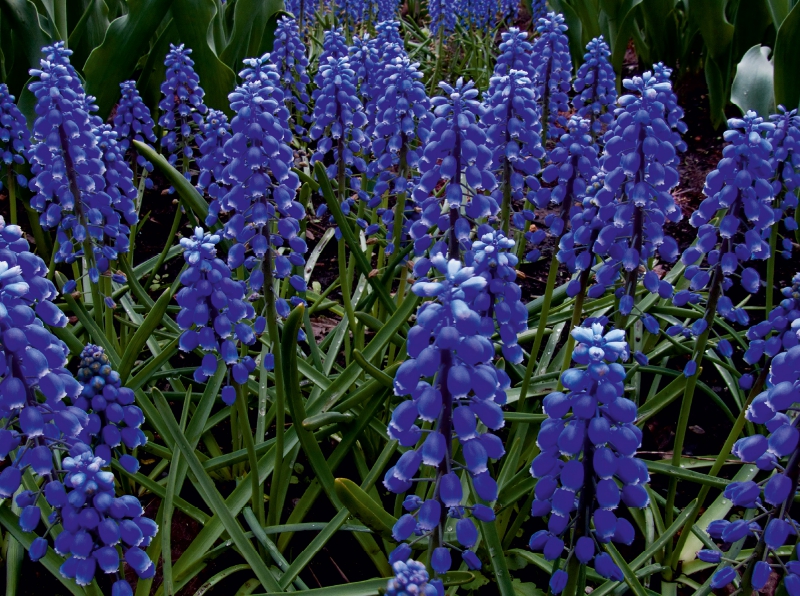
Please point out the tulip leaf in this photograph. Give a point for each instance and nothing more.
(365, 508)
(787, 61)
(753, 84)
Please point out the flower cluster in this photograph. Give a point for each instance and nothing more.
(211, 143)
(595, 85)
(785, 141)
(83, 187)
(132, 122)
(552, 68)
(538, 10)
(411, 579)
(14, 136)
(500, 302)
(515, 54)
(640, 162)
(365, 60)
(742, 186)
(402, 126)
(214, 313)
(777, 453)
(509, 9)
(783, 320)
(674, 112)
(334, 45)
(480, 14)
(388, 9)
(514, 135)
(182, 107)
(289, 56)
(453, 385)
(114, 419)
(456, 147)
(262, 188)
(95, 523)
(443, 17)
(588, 444)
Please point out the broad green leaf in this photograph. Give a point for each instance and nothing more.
(779, 10)
(717, 98)
(29, 37)
(250, 18)
(365, 508)
(717, 31)
(127, 38)
(136, 343)
(787, 61)
(750, 28)
(194, 19)
(89, 31)
(619, 44)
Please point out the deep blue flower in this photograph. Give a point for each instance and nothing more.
(132, 121)
(674, 112)
(538, 10)
(289, 56)
(388, 9)
(514, 137)
(515, 54)
(182, 108)
(741, 185)
(785, 141)
(365, 60)
(14, 137)
(443, 17)
(552, 68)
(480, 14)
(453, 385)
(456, 147)
(509, 9)
(588, 444)
(640, 162)
(215, 316)
(334, 45)
(211, 143)
(402, 127)
(114, 419)
(595, 85)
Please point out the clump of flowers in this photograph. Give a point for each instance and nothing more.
(182, 107)
(552, 68)
(443, 17)
(289, 56)
(596, 88)
(114, 419)
(453, 385)
(132, 122)
(785, 141)
(515, 54)
(588, 444)
(411, 579)
(14, 138)
(211, 141)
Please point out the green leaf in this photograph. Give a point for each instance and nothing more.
(630, 576)
(151, 366)
(89, 32)
(208, 491)
(316, 422)
(137, 342)
(29, 35)
(619, 45)
(365, 508)
(684, 474)
(716, 92)
(717, 31)
(787, 61)
(194, 19)
(250, 18)
(779, 10)
(373, 371)
(114, 61)
(661, 399)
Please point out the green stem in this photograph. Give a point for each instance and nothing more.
(773, 243)
(438, 64)
(280, 394)
(342, 255)
(12, 194)
(688, 395)
(256, 500)
(577, 313)
(176, 222)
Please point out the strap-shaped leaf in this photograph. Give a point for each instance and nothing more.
(136, 343)
(365, 508)
(213, 499)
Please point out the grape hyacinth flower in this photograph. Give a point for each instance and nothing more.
(338, 127)
(214, 313)
(596, 88)
(538, 10)
(588, 444)
(289, 56)
(674, 112)
(114, 419)
(182, 108)
(388, 9)
(132, 122)
(365, 61)
(640, 161)
(500, 303)
(303, 11)
(83, 188)
(334, 45)
(514, 137)
(742, 186)
(96, 523)
(411, 579)
(785, 141)
(515, 54)
(457, 146)
(778, 454)
(453, 385)
(552, 68)
(14, 142)
(783, 321)
(572, 168)
(403, 121)
(211, 143)
(479, 13)
(443, 17)
(509, 9)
